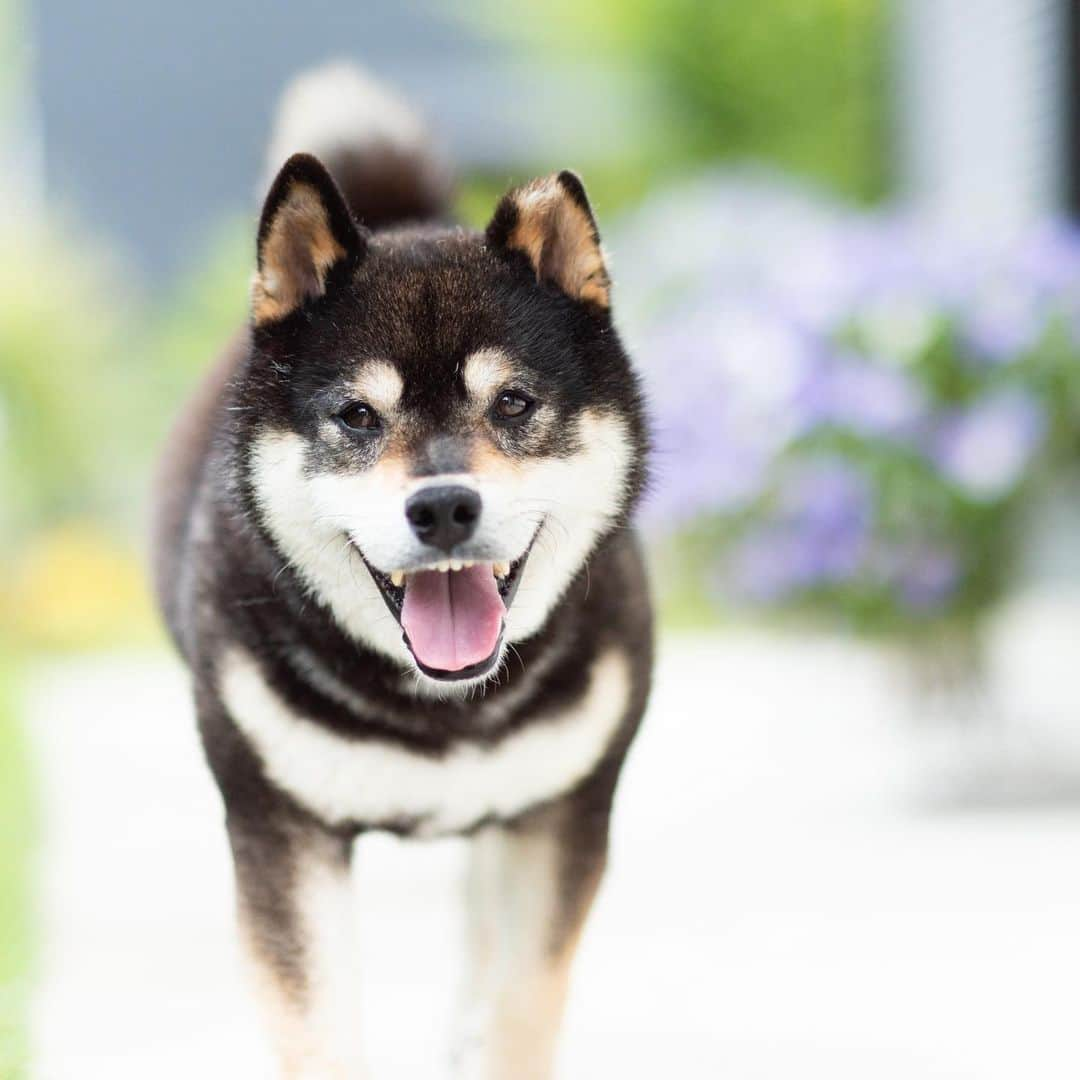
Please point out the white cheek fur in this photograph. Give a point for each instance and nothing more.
(371, 780)
(312, 537)
(578, 497)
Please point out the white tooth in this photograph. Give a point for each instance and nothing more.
(397, 578)
(456, 564)
(443, 567)
(465, 564)
(501, 569)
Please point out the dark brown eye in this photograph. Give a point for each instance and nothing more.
(359, 417)
(511, 405)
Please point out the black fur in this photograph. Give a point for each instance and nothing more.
(426, 304)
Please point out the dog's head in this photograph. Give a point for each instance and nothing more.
(439, 425)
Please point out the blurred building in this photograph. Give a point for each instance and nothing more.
(155, 115)
(983, 107)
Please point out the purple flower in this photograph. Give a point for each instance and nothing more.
(816, 285)
(1013, 289)
(865, 397)
(722, 382)
(922, 575)
(986, 448)
(1049, 257)
(822, 492)
(1004, 320)
(927, 578)
(817, 534)
(763, 568)
(763, 315)
(692, 477)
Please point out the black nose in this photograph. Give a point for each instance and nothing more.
(443, 516)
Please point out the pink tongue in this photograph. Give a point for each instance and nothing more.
(453, 620)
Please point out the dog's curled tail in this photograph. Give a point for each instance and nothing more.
(376, 147)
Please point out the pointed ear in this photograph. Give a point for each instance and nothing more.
(550, 222)
(305, 231)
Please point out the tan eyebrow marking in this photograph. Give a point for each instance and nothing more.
(486, 372)
(379, 385)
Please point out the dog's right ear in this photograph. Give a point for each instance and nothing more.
(305, 231)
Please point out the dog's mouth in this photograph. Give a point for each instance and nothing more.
(452, 612)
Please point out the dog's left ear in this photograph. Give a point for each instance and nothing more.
(305, 231)
(550, 222)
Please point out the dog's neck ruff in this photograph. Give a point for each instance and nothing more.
(371, 781)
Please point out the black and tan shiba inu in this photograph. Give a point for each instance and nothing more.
(393, 548)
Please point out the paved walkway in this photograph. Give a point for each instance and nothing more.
(784, 904)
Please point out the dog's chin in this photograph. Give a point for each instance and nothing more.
(392, 588)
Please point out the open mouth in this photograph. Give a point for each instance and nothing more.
(452, 612)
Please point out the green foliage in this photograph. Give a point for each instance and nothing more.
(88, 384)
(798, 83)
(180, 336)
(59, 373)
(90, 381)
(15, 899)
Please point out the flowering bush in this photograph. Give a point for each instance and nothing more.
(851, 409)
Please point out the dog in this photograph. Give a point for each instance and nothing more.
(393, 544)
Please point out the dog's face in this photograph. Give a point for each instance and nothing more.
(440, 426)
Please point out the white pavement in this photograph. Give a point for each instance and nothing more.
(783, 903)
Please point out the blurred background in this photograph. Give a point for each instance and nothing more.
(845, 256)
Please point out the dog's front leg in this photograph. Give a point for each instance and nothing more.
(296, 925)
(530, 887)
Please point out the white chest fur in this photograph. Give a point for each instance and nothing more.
(373, 780)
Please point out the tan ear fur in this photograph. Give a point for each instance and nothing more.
(550, 222)
(305, 230)
(298, 251)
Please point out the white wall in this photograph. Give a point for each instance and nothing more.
(979, 107)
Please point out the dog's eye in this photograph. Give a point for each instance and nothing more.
(359, 417)
(512, 405)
